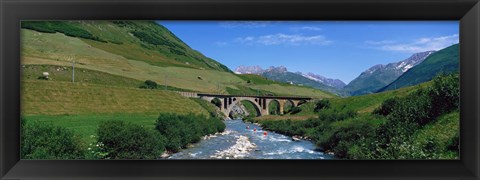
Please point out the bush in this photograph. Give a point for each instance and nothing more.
(149, 84)
(324, 103)
(341, 136)
(454, 143)
(124, 140)
(181, 130)
(387, 106)
(445, 94)
(332, 115)
(295, 110)
(408, 114)
(44, 141)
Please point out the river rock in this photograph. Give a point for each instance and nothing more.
(239, 150)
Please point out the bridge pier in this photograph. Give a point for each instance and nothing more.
(282, 104)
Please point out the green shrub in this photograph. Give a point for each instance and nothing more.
(445, 93)
(331, 115)
(454, 143)
(340, 136)
(319, 105)
(44, 141)
(387, 106)
(295, 110)
(149, 84)
(124, 140)
(180, 130)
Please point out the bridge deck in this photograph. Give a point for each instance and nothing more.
(265, 97)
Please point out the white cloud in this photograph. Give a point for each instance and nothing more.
(284, 39)
(418, 45)
(306, 28)
(245, 24)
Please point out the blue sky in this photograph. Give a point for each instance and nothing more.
(334, 49)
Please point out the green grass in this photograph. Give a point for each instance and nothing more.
(64, 74)
(367, 103)
(210, 107)
(41, 97)
(441, 132)
(257, 79)
(85, 125)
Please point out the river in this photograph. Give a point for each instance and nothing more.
(238, 142)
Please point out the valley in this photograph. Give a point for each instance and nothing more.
(130, 76)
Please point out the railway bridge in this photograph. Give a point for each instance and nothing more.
(261, 103)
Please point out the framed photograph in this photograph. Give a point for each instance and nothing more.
(240, 89)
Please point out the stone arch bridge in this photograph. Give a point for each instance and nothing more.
(260, 102)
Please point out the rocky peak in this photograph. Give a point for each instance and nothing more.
(249, 70)
(279, 69)
(337, 83)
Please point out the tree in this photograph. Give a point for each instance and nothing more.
(149, 84)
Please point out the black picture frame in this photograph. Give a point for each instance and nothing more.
(13, 11)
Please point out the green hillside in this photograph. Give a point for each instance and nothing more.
(42, 97)
(135, 40)
(366, 84)
(443, 61)
(139, 50)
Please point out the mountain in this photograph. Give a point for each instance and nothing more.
(336, 83)
(443, 61)
(249, 70)
(380, 75)
(145, 41)
(283, 75)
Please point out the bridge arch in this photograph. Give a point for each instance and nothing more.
(216, 101)
(288, 105)
(274, 107)
(238, 100)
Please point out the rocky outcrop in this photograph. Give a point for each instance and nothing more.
(238, 111)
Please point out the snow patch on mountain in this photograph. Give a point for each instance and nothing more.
(403, 65)
(336, 83)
